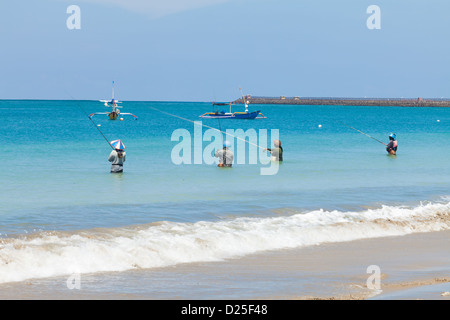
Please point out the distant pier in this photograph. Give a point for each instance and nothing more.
(394, 102)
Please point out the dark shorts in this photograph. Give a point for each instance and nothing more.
(116, 168)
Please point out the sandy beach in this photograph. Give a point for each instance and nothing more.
(415, 266)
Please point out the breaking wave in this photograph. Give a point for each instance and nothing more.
(161, 244)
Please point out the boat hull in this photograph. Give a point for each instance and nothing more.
(234, 115)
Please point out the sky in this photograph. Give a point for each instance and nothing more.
(204, 50)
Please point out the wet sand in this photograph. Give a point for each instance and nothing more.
(415, 266)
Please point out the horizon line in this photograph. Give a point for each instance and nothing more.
(240, 98)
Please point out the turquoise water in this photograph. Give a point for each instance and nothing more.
(56, 175)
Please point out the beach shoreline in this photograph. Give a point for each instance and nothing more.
(331, 271)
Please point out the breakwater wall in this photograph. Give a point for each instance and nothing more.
(396, 102)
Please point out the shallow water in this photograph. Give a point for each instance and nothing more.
(61, 206)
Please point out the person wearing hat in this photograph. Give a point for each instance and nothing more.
(117, 156)
(225, 155)
(277, 152)
(391, 147)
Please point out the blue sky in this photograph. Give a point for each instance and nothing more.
(203, 50)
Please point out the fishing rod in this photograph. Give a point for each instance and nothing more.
(218, 120)
(95, 125)
(220, 128)
(364, 134)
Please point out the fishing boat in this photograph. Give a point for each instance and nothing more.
(114, 104)
(233, 115)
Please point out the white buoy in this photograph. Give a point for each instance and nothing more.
(99, 125)
(320, 126)
(439, 121)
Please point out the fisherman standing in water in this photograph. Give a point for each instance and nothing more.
(391, 147)
(117, 156)
(277, 152)
(225, 155)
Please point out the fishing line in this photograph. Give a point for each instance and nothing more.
(364, 134)
(206, 126)
(95, 125)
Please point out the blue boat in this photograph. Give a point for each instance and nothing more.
(233, 115)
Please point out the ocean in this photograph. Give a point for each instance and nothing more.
(63, 213)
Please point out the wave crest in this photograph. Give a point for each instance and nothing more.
(161, 244)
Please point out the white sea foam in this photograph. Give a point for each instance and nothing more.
(168, 243)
